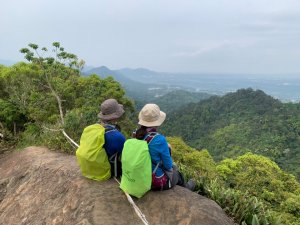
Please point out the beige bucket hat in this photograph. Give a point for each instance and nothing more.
(110, 109)
(151, 116)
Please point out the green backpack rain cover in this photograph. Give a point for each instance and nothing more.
(136, 168)
(91, 155)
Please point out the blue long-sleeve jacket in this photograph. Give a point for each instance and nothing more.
(114, 141)
(159, 152)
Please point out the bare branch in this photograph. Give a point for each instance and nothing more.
(60, 108)
(65, 134)
(58, 99)
(50, 129)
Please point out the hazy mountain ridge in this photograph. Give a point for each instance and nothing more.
(283, 87)
(139, 91)
(103, 71)
(141, 74)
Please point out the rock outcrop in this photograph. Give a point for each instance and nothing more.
(38, 186)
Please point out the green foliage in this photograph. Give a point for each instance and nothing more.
(30, 136)
(255, 220)
(286, 218)
(41, 98)
(176, 99)
(292, 205)
(259, 176)
(244, 208)
(194, 164)
(9, 114)
(211, 181)
(37, 135)
(240, 122)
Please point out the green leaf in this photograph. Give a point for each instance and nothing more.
(255, 220)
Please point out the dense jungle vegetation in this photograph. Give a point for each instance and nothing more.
(251, 188)
(41, 98)
(174, 100)
(48, 95)
(241, 122)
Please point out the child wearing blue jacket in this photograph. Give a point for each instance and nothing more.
(110, 113)
(165, 174)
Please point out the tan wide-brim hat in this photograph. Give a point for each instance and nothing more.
(151, 116)
(110, 110)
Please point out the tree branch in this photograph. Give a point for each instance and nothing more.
(50, 129)
(58, 99)
(65, 134)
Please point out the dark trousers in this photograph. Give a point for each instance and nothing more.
(174, 178)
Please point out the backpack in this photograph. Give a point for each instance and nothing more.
(91, 156)
(136, 167)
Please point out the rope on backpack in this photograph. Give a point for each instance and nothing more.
(130, 200)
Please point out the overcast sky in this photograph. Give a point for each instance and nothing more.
(216, 36)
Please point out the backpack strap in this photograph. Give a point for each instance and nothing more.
(114, 158)
(156, 167)
(149, 137)
(109, 129)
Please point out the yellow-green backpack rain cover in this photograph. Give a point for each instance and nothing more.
(91, 155)
(136, 168)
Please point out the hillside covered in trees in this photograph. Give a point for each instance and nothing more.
(47, 96)
(40, 99)
(240, 122)
(251, 188)
(175, 99)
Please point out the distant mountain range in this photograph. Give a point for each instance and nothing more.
(284, 88)
(135, 89)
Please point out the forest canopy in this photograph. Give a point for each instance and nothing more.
(244, 121)
(47, 94)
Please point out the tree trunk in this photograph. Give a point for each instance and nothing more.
(61, 113)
